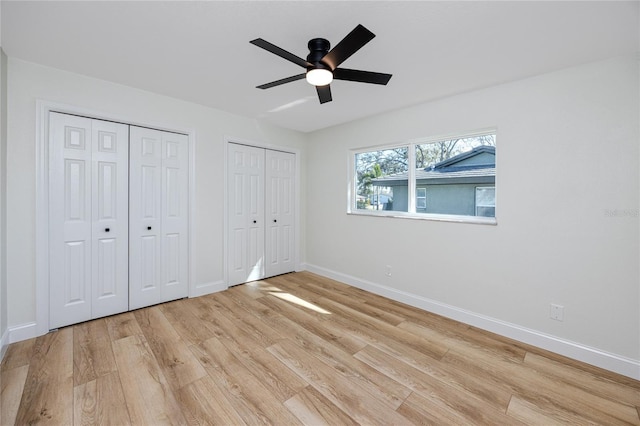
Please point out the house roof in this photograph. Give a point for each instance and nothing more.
(465, 156)
(452, 170)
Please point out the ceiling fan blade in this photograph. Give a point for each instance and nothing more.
(281, 81)
(280, 52)
(324, 93)
(348, 46)
(361, 76)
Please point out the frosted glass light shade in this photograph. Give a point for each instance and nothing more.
(319, 77)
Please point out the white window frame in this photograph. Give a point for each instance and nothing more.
(411, 189)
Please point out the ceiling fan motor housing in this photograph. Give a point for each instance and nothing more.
(318, 48)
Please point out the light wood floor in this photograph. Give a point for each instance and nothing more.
(299, 349)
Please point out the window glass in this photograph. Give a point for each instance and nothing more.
(374, 189)
(442, 179)
(486, 201)
(450, 170)
(421, 199)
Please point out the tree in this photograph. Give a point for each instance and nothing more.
(365, 179)
(431, 153)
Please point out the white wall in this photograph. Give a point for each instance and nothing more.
(567, 156)
(29, 82)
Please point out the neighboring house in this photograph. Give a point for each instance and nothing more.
(461, 185)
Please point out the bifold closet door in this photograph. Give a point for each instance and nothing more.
(245, 209)
(260, 212)
(159, 224)
(279, 212)
(88, 219)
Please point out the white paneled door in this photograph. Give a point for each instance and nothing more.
(279, 212)
(260, 211)
(88, 219)
(245, 213)
(159, 222)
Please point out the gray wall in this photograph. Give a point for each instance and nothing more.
(456, 199)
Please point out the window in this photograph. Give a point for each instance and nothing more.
(486, 201)
(421, 199)
(372, 168)
(458, 173)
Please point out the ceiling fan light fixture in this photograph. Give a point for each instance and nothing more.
(319, 77)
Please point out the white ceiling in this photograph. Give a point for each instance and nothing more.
(200, 51)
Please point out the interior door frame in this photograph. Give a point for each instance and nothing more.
(296, 205)
(43, 108)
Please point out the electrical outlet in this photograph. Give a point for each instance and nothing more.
(556, 312)
(388, 271)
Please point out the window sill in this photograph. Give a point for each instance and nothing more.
(477, 220)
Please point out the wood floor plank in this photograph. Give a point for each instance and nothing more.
(482, 405)
(11, 386)
(100, 401)
(249, 397)
(273, 375)
(260, 331)
(277, 378)
(147, 393)
(304, 324)
(350, 397)
(192, 330)
(312, 408)
(48, 388)
(344, 363)
(463, 343)
(387, 338)
(314, 290)
(122, 325)
(531, 414)
(174, 358)
(18, 354)
(542, 391)
(92, 353)
(587, 381)
(204, 403)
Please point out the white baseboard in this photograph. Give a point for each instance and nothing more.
(608, 361)
(22, 332)
(208, 288)
(4, 343)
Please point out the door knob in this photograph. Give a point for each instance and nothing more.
(106, 229)
(274, 221)
(254, 221)
(148, 228)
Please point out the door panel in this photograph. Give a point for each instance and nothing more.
(110, 218)
(69, 219)
(280, 176)
(245, 213)
(144, 217)
(159, 222)
(88, 219)
(175, 220)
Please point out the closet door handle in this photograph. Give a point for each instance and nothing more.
(274, 220)
(148, 228)
(106, 229)
(255, 221)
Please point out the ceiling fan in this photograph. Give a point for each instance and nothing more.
(322, 63)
